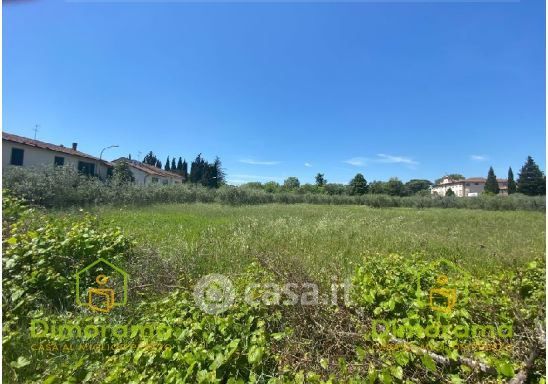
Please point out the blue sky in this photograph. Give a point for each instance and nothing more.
(412, 90)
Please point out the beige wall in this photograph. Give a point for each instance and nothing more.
(34, 157)
(441, 190)
(145, 178)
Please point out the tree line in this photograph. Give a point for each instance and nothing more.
(531, 181)
(203, 172)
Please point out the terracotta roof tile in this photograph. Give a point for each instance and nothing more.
(150, 169)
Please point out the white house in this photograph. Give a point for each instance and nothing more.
(24, 152)
(470, 187)
(149, 174)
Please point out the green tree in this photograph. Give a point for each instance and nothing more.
(320, 180)
(122, 173)
(335, 189)
(184, 170)
(271, 186)
(377, 187)
(414, 186)
(491, 185)
(449, 192)
(158, 164)
(531, 181)
(511, 183)
(197, 169)
(394, 187)
(358, 185)
(291, 183)
(180, 166)
(150, 159)
(166, 167)
(173, 165)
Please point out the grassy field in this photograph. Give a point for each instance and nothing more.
(388, 254)
(325, 240)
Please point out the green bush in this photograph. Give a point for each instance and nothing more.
(64, 187)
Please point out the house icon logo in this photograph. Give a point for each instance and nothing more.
(442, 286)
(442, 299)
(101, 286)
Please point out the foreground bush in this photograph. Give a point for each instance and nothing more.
(250, 342)
(40, 257)
(64, 187)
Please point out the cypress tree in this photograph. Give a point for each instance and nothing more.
(491, 185)
(531, 181)
(180, 166)
(173, 166)
(511, 183)
(166, 167)
(184, 170)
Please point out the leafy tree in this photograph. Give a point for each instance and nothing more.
(173, 165)
(394, 187)
(320, 180)
(167, 167)
(122, 173)
(271, 186)
(358, 185)
(449, 192)
(180, 166)
(491, 185)
(292, 183)
(531, 181)
(252, 185)
(511, 183)
(416, 185)
(377, 187)
(335, 189)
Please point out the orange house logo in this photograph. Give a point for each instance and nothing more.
(110, 290)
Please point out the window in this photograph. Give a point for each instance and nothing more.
(17, 156)
(164, 182)
(86, 168)
(154, 179)
(59, 161)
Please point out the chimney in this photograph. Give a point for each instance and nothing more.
(74, 146)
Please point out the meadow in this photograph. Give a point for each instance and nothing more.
(168, 248)
(324, 240)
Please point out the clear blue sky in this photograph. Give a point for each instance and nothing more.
(412, 90)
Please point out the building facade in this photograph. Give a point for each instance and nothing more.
(145, 174)
(19, 151)
(471, 187)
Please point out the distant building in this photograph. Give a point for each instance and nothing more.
(149, 174)
(19, 151)
(471, 187)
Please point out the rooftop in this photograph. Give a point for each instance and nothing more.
(52, 147)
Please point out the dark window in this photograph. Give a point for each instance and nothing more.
(154, 179)
(86, 168)
(17, 156)
(165, 182)
(59, 160)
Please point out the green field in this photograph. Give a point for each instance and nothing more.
(324, 240)
(390, 255)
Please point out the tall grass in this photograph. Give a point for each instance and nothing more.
(64, 187)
